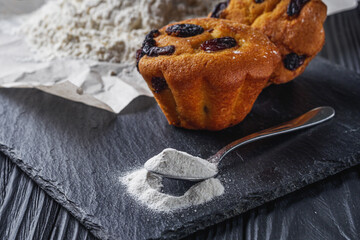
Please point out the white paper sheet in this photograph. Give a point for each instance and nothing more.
(89, 82)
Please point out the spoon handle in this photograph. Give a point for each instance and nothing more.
(309, 119)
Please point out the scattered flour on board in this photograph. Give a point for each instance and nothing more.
(103, 30)
(146, 187)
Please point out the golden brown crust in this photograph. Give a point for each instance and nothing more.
(301, 33)
(211, 90)
(247, 11)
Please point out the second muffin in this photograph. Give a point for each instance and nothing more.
(294, 26)
(206, 73)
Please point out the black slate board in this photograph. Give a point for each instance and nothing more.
(77, 153)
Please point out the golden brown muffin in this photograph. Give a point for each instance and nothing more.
(295, 26)
(206, 73)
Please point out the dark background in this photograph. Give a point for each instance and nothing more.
(324, 210)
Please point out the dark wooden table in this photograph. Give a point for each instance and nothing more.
(325, 210)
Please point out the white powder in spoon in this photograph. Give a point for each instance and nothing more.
(146, 186)
(180, 164)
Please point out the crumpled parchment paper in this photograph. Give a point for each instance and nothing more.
(104, 85)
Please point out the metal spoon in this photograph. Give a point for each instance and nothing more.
(309, 119)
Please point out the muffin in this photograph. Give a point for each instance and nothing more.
(295, 26)
(206, 73)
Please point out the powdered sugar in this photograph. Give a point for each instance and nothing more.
(181, 164)
(104, 30)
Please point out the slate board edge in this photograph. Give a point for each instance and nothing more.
(250, 203)
(45, 184)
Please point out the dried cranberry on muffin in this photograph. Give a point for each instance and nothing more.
(206, 73)
(295, 26)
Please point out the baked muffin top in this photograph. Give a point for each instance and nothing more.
(208, 41)
(244, 11)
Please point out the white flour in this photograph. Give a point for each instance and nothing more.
(177, 163)
(146, 187)
(104, 30)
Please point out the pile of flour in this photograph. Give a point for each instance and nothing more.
(146, 187)
(103, 30)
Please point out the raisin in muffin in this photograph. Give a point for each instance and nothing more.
(206, 73)
(295, 26)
